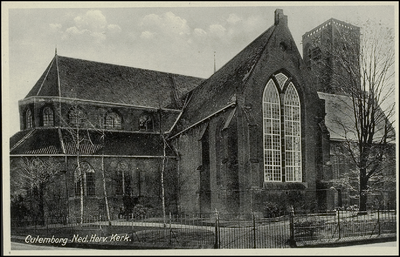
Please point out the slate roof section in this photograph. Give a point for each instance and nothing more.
(340, 115)
(51, 141)
(40, 141)
(135, 144)
(220, 89)
(89, 80)
(17, 137)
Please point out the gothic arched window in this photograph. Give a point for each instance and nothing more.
(48, 117)
(112, 121)
(76, 116)
(292, 135)
(273, 133)
(85, 173)
(123, 179)
(28, 119)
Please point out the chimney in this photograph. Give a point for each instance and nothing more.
(280, 18)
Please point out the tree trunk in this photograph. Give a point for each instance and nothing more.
(41, 204)
(81, 191)
(162, 171)
(363, 192)
(80, 174)
(162, 182)
(105, 191)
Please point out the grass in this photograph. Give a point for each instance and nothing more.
(200, 233)
(147, 235)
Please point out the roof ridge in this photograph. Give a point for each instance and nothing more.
(130, 67)
(223, 74)
(45, 77)
(58, 76)
(68, 77)
(22, 140)
(258, 56)
(203, 119)
(333, 95)
(220, 70)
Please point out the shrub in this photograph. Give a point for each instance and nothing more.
(272, 209)
(140, 211)
(308, 227)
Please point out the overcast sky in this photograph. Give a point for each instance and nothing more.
(158, 37)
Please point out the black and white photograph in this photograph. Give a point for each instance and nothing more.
(200, 128)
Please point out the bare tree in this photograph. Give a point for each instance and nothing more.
(381, 184)
(363, 71)
(163, 163)
(32, 175)
(77, 128)
(73, 128)
(104, 180)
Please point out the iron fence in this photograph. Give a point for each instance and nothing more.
(342, 225)
(213, 230)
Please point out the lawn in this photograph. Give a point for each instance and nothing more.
(201, 233)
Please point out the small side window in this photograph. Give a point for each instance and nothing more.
(112, 121)
(28, 119)
(76, 117)
(146, 122)
(48, 117)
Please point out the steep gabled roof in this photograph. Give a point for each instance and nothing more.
(219, 91)
(88, 80)
(47, 83)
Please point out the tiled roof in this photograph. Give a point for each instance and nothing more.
(39, 141)
(18, 137)
(220, 89)
(61, 141)
(103, 82)
(51, 149)
(339, 117)
(135, 144)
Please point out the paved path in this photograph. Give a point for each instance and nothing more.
(385, 244)
(24, 246)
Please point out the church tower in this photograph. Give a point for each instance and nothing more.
(324, 49)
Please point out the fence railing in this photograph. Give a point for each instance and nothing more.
(342, 225)
(213, 230)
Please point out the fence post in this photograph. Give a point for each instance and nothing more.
(216, 243)
(254, 230)
(379, 224)
(292, 241)
(338, 220)
(170, 229)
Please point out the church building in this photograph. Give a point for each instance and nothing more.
(251, 136)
